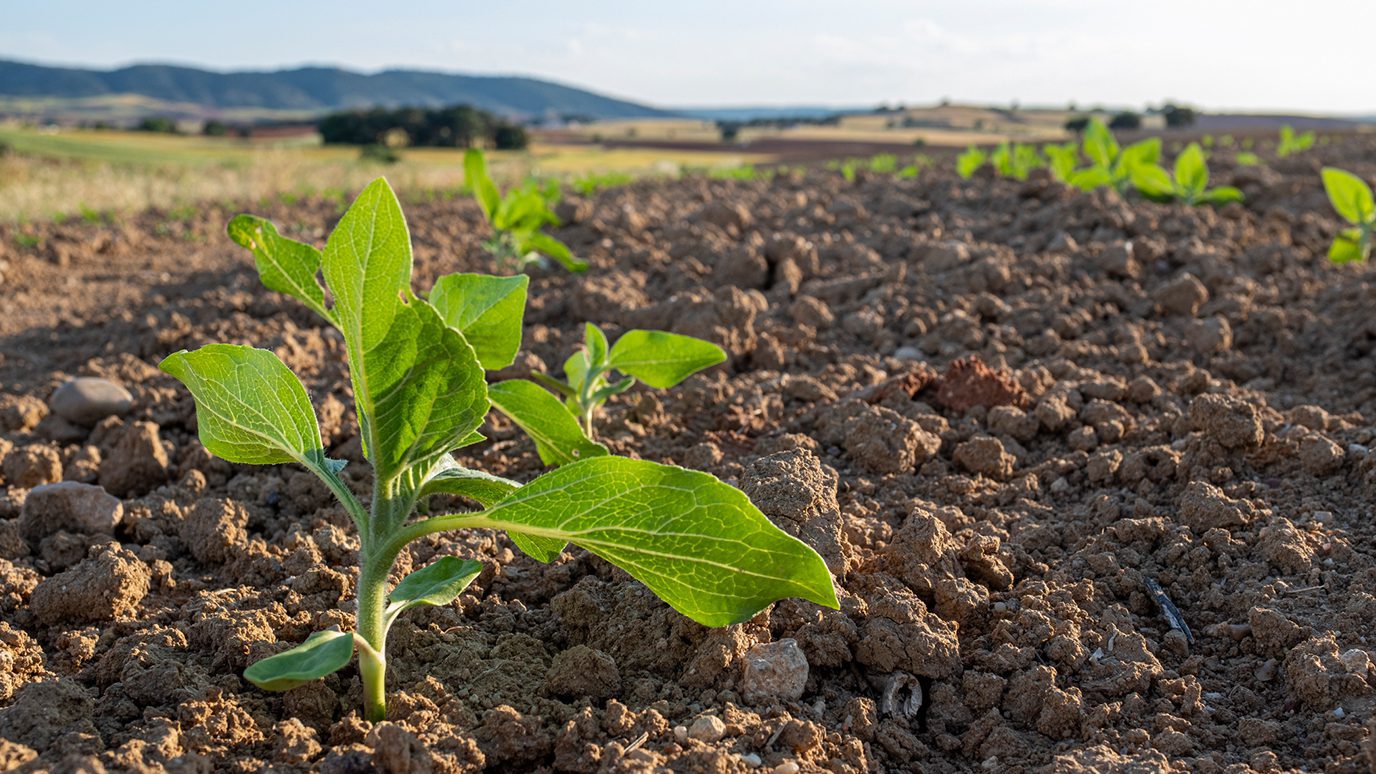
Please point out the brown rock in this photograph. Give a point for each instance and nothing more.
(1231, 421)
(968, 382)
(67, 505)
(107, 585)
(214, 529)
(1181, 296)
(984, 455)
(137, 463)
(32, 465)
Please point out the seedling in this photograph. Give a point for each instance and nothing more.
(1292, 142)
(1352, 198)
(518, 220)
(1111, 165)
(657, 358)
(1190, 183)
(1062, 159)
(417, 369)
(1247, 159)
(971, 160)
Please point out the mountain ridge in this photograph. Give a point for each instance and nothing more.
(315, 88)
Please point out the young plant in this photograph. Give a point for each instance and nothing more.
(1190, 183)
(1247, 159)
(518, 220)
(1062, 159)
(1111, 165)
(657, 358)
(417, 370)
(1352, 198)
(971, 160)
(1292, 142)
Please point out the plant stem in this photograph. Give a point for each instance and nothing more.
(372, 661)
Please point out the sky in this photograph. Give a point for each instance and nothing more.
(1311, 56)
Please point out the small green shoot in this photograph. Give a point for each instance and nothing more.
(1111, 165)
(417, 369)
(1247, 159)
(970, 161)
(1190, 183)
(1062, 159)
(1292, 142)
(657, 358)
(1352, 198)
(518, 220)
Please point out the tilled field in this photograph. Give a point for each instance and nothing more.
(1018, 421)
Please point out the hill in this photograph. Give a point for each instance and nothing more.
(303, 90)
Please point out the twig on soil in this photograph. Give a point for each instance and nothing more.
(637, 742)
(1168, 609)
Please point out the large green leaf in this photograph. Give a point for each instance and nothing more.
(1091, 178)
(1153, 181)
(662, 359)
(1191, 172)
(558, 438)
(322, 653)
(698, 543)
(284, 265)
(427, 391)
(438, 583)
(484, 190)
(1350, 245)
(488, 312)
(250, 407)
(1350, 195)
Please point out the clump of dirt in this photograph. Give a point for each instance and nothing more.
(1011, 416)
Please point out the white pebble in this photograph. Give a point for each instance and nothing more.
(707, 728)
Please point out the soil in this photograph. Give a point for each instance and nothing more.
(1023, 425)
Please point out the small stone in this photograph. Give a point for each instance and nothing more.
(1356, 662)
(1210, 336)
(1181, 296)
(1117, 260)
(787, 767)
(680, 734)
(708, 728)
(774, 670)
(86, 400)
(31, 466)
(908, 353)
(752, 760)
(81, 508)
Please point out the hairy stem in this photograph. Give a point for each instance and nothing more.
(372, 661)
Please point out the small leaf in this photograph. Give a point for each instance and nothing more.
(1091, 178)
(558, 438)
(487, 310)
(323, 653)
(1191, 172)
(662, 359)
(1153, 181)
(698, 543)
(596, 343)
(1099, 145)
(1350, 246)
(971, 160)
(250, 407)
(576, 369)
(1350, 195)
(438, 583)
(284, 265)
(484, 190)
(1223, 194)
(547, 245)
(452, 479)
(1146, 151)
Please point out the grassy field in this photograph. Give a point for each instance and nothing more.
(48, 173)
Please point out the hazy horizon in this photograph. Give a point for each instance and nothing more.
(1223, 56)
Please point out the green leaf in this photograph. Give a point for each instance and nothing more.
(438, 583)
(698, 543)
(484, 190)
(971, 160)
(548, 246)
(452, 479)
(1223, 194)
(1350, 195)
(323, 653)
(427, 388)
(662, 359)
(595, 342)
(250, 407)
(1351, 245)
(1191, 172)
(1099, 145)
(558, 438)
(576, 369)
(487, 310)
(1153, 181)
(284, 265)
(1091, 178)
(1146, 151)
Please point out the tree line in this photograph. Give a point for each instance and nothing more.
(460, 126)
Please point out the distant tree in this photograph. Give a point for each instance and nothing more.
(459, 126)
(161, 124)
(213, 128)
(730, 130)
(1125, 120)
(510, 137)
(1077, 124)
(1178, 116)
